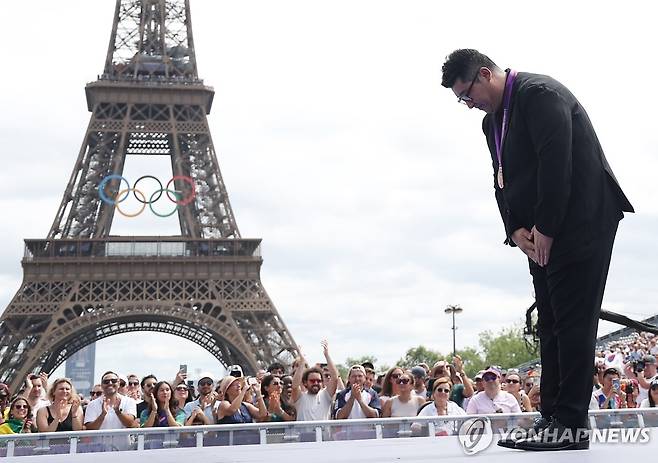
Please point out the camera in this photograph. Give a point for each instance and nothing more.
(637, 365)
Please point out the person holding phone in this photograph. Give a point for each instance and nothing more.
(610, 396)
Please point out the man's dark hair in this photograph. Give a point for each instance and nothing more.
(108, 373)
(463, 64)
(276, 366)
(610, 372)
(309, 371)
(143, 381)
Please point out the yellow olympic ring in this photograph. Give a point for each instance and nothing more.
(128, 190)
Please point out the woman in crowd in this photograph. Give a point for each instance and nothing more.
(652, 400)
(233, 408)
(441, 405)
(18, 418)
(163, 410)
(513, 381)
(64, 412)
(277, 408)
(404, 403)
(182, 396)
(390, 387)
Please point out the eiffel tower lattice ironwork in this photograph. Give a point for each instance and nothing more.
(81, 284)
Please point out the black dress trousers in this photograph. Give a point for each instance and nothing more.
(569, 292)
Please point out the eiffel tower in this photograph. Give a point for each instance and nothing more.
(81, 284)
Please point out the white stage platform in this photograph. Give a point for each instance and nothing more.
(419, 449)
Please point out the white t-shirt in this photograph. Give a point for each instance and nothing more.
(40, 404)
(314, 407)
(645, 403)
(448, 427)
(356, 412)
(111, 420)
(644, 393)
(480, 403)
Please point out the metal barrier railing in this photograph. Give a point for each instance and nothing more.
(294, 431)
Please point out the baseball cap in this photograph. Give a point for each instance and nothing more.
(418, 372)
(479, 374)
(233, 370)
(649, 359)
(495, 371)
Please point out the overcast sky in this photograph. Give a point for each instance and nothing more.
(370, 187)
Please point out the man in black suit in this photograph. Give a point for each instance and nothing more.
(561, 204)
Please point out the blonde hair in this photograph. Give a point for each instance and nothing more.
(53, 388)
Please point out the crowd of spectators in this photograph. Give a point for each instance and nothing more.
(624, 376)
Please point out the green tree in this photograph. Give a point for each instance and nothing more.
(420, 354)
(506, 348)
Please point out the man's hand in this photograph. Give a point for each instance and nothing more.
(523, 239)
(356, 392)
(543, 246)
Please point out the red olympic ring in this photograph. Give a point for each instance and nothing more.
(190, 198)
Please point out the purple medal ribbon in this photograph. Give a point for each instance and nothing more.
(499, 133)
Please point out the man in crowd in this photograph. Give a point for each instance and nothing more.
(419, 375)
(314, 404)
(112, 410)
(276, 369)
(356, 401)
(148, 383)
(492, 399)
(610, 395)
(132, 390)
(36, 387)
(370, 377)
(204, 404)
(645, 377)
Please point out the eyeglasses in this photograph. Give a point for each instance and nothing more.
(441, 389)
(205, 382)
(465, 97)
(20, 407)
(110, 381)
(97, 393)
(513, 381)
(403, 381)
(130, 383)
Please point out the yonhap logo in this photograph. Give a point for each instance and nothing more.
(475, 435)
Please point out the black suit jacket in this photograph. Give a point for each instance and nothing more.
(556, 175)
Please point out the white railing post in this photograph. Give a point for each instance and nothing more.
(73, 445)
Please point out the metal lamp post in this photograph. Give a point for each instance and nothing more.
(453, 309)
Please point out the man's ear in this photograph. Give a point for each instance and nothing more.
(486, 73)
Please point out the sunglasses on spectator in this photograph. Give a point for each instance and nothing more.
(130, 383)
(403, 381)
(513, 381)
(181, 388)
(20, 407)
(445, 390)
(97, 393)
(110, 381)
(205, 382)
(489, 378)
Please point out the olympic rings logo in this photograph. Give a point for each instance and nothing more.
(122, 194)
